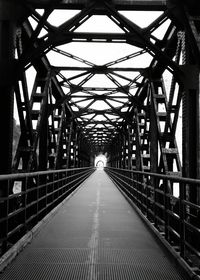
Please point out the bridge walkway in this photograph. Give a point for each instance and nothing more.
(95, 235)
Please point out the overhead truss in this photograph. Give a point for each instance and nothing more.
(82, 102)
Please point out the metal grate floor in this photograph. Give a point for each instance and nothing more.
(95, 235)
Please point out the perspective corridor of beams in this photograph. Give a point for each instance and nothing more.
(106, 74)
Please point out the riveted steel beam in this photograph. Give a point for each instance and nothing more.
(10, 14)
(143, 5)
(99, 69)
(127, 93)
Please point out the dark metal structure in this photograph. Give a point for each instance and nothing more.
(63, 121)
(141, 108)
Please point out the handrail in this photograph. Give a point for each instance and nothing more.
(36, 173)
(175, 217)
(26, 198)
(160, 176)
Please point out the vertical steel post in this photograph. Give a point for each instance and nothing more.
(124, 149)
(129, 147)
(8, 23)
(43, 142)
(182, 218)
(7, 63)
(191, 123)
(153, 139)
(120, 151)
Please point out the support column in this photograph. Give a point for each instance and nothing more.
(191, 127)
(7, 56)
(191, 115)
(9, 14)
(153, 139)
(190, 122)
(43, 141)
(129, 147)
(198, 128)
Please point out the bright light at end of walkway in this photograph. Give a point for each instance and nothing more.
(100, 161)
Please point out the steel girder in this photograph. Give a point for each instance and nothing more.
(119, 4)
(64, 126)
(156, 129)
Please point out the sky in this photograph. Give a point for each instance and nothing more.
(99, 53)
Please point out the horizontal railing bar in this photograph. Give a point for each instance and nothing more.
(38, 173)
(15, 230)
(161, 176)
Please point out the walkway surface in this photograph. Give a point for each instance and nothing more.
(95, 235)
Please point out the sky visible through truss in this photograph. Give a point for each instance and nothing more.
(96, 53)
(93, 53)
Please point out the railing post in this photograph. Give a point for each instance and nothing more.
(167, 207)
(154, 184)
(182, 192)
(53, 187)
(137, 189)
(37, 195)
(147, 196)
(24, 201)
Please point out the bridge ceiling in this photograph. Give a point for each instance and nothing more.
(100, 53)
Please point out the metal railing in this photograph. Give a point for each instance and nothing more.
(175, 217)
(26, 198)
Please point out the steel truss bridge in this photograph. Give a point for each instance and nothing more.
(86, 78)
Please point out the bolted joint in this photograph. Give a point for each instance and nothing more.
(99, 69)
